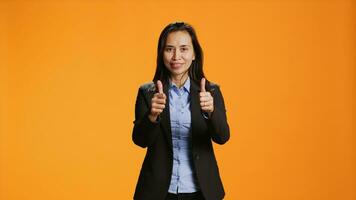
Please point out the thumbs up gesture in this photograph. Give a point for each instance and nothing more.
(158, 103)
(206, 100)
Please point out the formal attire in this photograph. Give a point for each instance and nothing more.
(180, 161)
(183, 179)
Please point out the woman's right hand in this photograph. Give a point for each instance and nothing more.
(158, 103)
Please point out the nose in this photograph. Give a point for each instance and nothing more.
(176, 55)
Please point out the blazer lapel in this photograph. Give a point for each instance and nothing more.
(165, 117)
(196, 114)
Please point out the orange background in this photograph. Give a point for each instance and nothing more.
(70, 72)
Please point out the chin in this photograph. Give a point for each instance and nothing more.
(177, 73)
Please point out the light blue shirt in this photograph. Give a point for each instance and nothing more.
(183, 178)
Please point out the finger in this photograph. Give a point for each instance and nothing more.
(158, 106)
(202, 85)
(204, 94)
(207, 108)
(159, 96)
(162, 95)
(156, 110)
(160, 101)
(206, 103)
(160, 87)
(205, 99)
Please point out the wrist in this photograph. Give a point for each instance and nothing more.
(153, 118)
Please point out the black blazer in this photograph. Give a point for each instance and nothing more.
(155, 175)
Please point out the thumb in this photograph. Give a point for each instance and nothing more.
(160, 87)
(202, 85)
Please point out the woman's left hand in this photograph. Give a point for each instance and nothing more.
(206, 100)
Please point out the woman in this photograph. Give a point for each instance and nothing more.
(177, 116)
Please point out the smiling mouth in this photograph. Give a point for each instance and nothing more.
(176, 65)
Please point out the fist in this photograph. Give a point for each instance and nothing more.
(158, 102)
(206, 100)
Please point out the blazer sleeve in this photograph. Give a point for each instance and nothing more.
(218, 126)
(144, 131)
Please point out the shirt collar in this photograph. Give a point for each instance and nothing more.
(186, 85)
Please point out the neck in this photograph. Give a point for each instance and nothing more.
(179, 80)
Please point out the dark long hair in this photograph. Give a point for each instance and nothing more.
(195, 70)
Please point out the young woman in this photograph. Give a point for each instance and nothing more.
(177, 116)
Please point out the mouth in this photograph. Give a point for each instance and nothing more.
(176, 65)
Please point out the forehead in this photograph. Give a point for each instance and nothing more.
(179, 38)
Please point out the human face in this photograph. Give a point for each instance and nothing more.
(178, 53)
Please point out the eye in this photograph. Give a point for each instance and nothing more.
(169, 49)
(184, 49)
